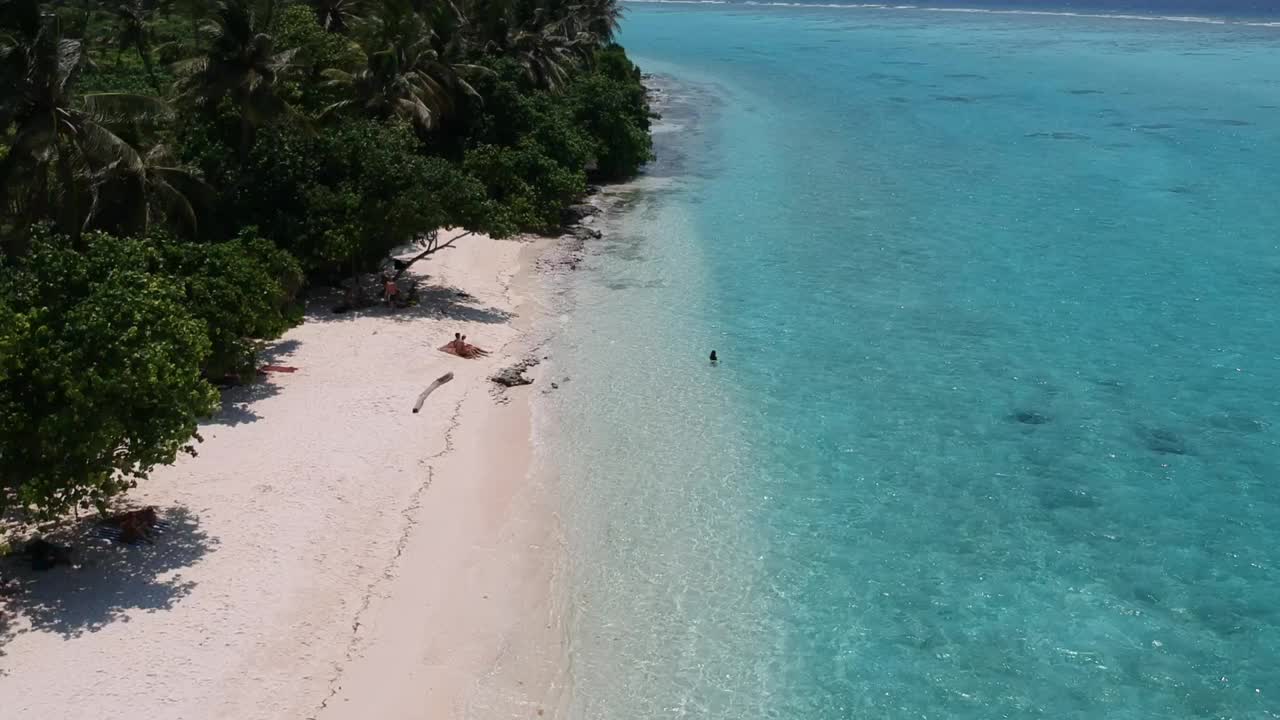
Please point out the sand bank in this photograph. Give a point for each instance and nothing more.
(330, 553)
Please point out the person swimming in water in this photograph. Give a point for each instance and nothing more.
(714, 360)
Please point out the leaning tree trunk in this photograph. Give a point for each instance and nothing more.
(432, 247)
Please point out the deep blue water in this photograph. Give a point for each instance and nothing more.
(994, 433)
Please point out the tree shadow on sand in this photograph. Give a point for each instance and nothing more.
(237, 400)
(108, 580)
(434, 301)
(6, 624)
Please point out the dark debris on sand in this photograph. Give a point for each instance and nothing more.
(513, 375)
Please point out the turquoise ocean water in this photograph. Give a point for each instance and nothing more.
(994, 433)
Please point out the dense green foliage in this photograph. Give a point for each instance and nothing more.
(173, 173)
(240, 289)
(100, 377)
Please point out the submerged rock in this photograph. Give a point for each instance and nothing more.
(1027, 417)
(577, 213)
(1165, 442)
(586, 233)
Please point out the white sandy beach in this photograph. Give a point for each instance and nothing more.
(330, 555)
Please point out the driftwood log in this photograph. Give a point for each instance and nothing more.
(423, 397)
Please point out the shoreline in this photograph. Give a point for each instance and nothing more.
(329, 552)
(491, 642)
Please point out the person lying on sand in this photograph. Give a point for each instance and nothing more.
(460, 347)
(471, 351)
(455, 346)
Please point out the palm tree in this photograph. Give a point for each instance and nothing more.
(336, 16)
(411, 71)
(549, 38)
(546, 55)
(487, 23)
(133, 32)
(599, 18)
(242, 66)
(128, 198)
(59, 140)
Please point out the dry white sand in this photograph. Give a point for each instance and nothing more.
(331, 554)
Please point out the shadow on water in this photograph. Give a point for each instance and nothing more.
(107, 582)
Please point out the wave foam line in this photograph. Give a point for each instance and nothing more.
(976, 11)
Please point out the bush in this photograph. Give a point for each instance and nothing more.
(99, 373)
(532, 149)
(242, 290)
(532, 188)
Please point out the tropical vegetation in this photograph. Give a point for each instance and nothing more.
(174, 174)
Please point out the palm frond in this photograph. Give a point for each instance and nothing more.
(125, 107)
(103, 146)
(70, 57)
(184, 192)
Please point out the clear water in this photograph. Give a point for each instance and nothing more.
(994, 433)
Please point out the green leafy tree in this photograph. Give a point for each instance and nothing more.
(530, 186)
(609, 105)
(513, 110)
(242, 289)
(373, 192)
(100, 377)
